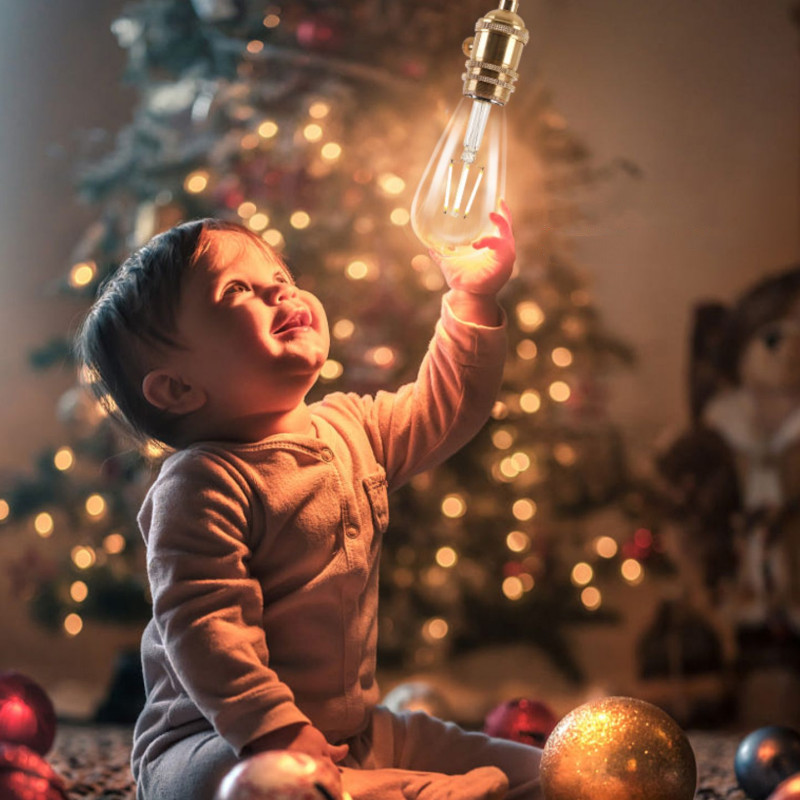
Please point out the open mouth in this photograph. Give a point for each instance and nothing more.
(299, 318)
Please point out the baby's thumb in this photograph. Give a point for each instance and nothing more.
(338, 752)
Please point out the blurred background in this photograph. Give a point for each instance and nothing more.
(654, 165)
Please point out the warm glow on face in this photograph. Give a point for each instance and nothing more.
(267, 129)
(95, 505)
(82, 273)
(114, 543)
(73, 624)
(43, 524)
(523, 509)
(196, 182)
(605, 547)
(446, 557)
(78, 591)
(632, 571)
(582, 573)
(453, 506)
(63, 459)
(331, 370)
(300, 220)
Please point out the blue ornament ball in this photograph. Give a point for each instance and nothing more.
(766, 757)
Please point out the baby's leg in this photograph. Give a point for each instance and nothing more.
(191, 768)
(421, 743)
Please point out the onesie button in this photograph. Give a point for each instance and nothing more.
(352, 532)
(327, 454)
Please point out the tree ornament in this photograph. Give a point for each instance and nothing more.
(618, 747)
(765, 757)
(25, 775)
(788, 789)
(27, 716)
(521, 720)
(281, 775)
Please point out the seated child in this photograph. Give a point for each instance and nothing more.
(264, 526)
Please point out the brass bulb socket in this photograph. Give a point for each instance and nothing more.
(493, 54)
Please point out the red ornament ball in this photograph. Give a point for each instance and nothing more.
(281, 775)
(27, 715)
(788, 789)
(521, 720)
(25, 775)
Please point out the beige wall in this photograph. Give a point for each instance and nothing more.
(704, 95)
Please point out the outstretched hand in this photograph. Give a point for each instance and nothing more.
(486, 269)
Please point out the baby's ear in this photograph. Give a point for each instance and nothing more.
(170, 393)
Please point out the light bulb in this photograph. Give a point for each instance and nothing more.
(465, 177)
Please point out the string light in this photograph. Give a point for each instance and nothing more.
(605, 547)
(632, 571)
(196, 182)
(78, 591)
(518, 542)
(565, 454)
(5, 510)
(83, 557)
(453, 506)
(513, 588)
(114, 543)
(43, 524)
(273, 237)
(381, 356)
(272, 21)
(435, 629)
(529, 315)
(300, 220)
(530, 401)
(391, 184)
(403, 577)
(331, 151)
(521, 461)
(527, 581)
(560, 391)
(82, 274)
(268, 129)
(527, 349)
(446, 557)
(63, 459)
(502, 439)
(499, 410)
(591, 598)
(400, 217)
(357, 270)
(249, 141)
(582, 573)
(255, 46)
(312, 132)
(343, 329)
(524, 509)
(319, 110)
(95, 505)
(331, 370)
(73, 624)
(561, 356)
(258, 221)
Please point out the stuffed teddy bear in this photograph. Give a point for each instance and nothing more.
(733, 479)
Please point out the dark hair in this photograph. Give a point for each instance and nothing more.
(133, 315)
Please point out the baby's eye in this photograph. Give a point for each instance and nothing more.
(235, 287)
(282, 277)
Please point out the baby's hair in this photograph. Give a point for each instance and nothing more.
(134, 316)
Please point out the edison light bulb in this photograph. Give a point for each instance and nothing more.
(465, 177)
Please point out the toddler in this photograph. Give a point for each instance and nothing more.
(264, 526)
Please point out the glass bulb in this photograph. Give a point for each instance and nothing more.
(464, 180)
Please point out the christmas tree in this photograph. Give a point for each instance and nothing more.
(311, 123)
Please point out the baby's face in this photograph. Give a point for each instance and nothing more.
(254, 342)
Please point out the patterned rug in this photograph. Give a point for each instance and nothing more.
(93, 761)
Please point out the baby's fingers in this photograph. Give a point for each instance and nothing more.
(338, 752)
(492, 242)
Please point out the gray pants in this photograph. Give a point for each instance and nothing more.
(386, 761)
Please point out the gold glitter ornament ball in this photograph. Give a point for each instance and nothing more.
(616, 748)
